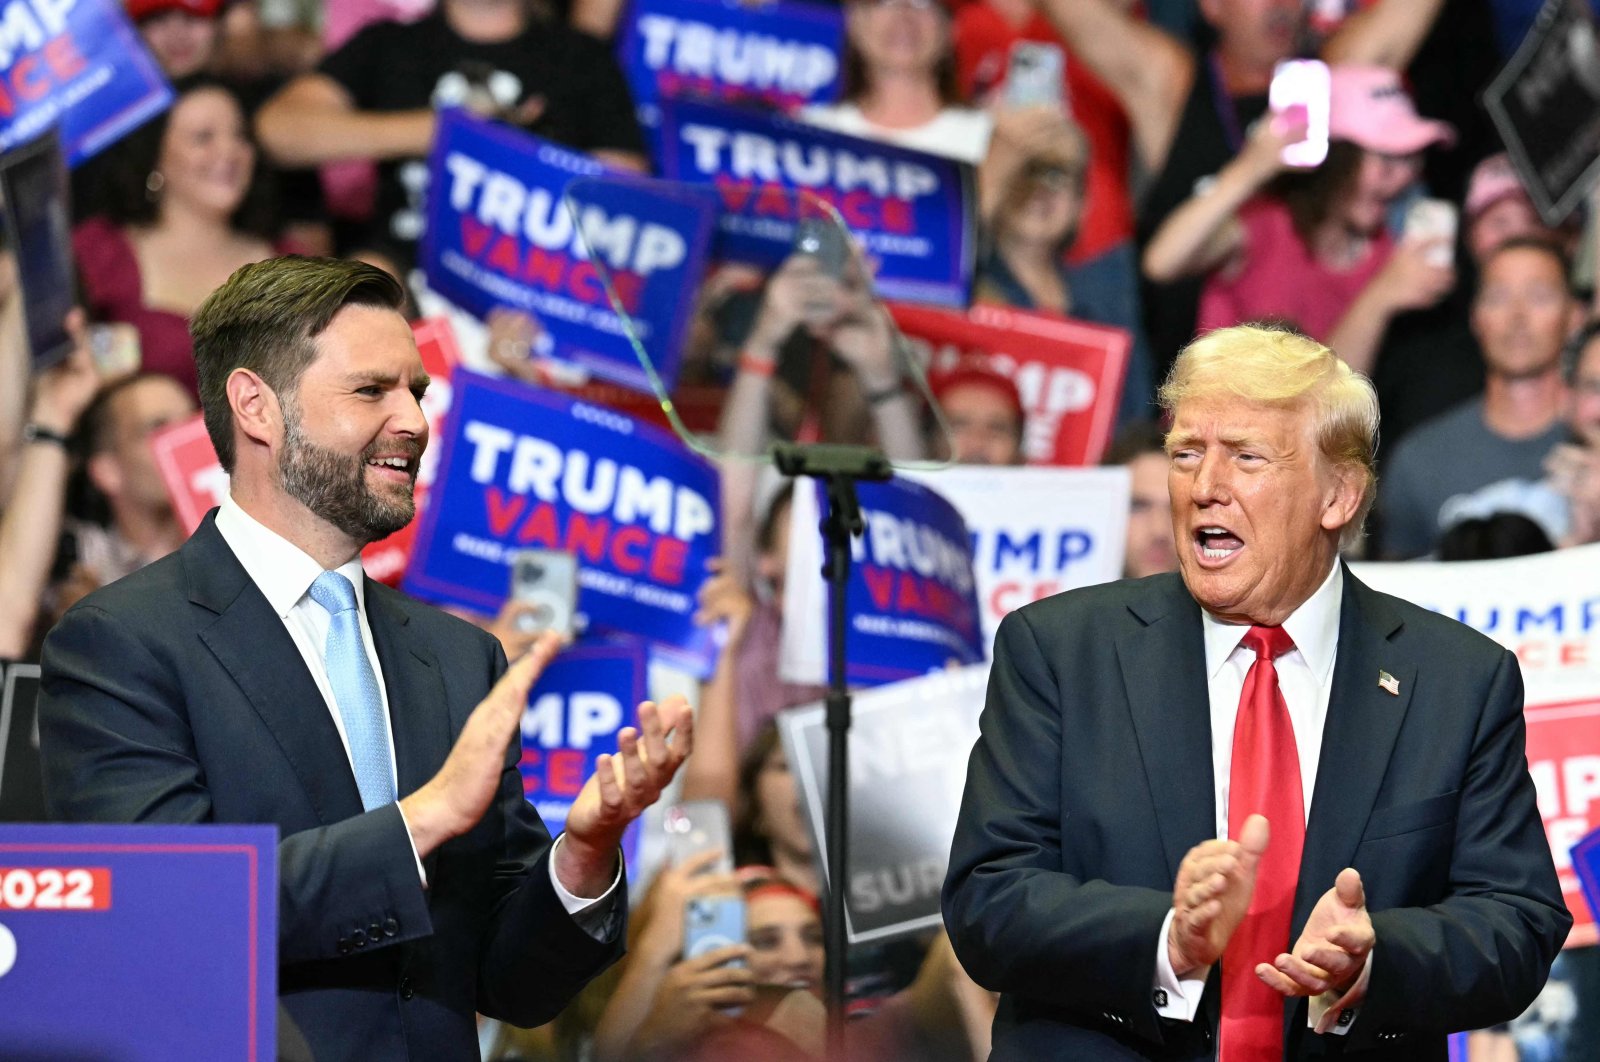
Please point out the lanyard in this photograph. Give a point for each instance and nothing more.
(1227, 114)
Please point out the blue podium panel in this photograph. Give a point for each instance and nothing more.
(138, 942)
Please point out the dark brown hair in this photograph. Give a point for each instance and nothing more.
(853, 82)
(265, 317)
(1315, 196)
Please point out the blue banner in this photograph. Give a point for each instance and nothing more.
(783, 54)
(78, 65)
(525, 468)
(912, 600)
(587, 694)
(501, 232)
(912, 212)
(138, 943)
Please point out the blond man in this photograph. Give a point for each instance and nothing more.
(1252, 810)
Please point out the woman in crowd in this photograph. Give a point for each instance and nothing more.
(1311, 248)
(186, 209)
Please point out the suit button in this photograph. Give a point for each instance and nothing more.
(358, 938)
(375, 932)
(406, 988)
(391, 928)
(1159, 997)
(344, 946)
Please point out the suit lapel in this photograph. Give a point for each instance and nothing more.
(1358, 737)
(250, 642)
(1171, 713)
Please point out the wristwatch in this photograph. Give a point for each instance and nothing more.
(32, 433)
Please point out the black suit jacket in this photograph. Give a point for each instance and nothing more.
(1092, 780)
(176, 695)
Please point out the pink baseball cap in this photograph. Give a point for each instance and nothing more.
(1371, 109)
(1493, 179)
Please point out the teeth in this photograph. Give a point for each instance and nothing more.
(1216, 554)
(390, 462)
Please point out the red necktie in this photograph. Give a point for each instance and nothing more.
(1264, 780)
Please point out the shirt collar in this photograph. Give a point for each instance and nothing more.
(1314, 628)
(281, 570)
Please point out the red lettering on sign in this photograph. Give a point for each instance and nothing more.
(55, 888)
(565, 774)
(503, 511)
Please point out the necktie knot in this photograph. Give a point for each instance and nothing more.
(334, 592)
(1269, 643)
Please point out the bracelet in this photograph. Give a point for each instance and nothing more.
(749, 363)
(33, 433)
(888, 394)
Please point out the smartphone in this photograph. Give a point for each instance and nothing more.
(33, 184)
(712, 922)
(114, 349)
(547, 579)
(825, 241)
(1035, 76)
(696, 826)
(1306, 83)
(1428, 220)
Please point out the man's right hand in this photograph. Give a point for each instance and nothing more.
(452, 801)
(1212, 893)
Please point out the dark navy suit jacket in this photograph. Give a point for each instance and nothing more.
(1093, 778)
(176, 695)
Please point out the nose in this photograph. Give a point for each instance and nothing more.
(1211, 479)
(408, 418)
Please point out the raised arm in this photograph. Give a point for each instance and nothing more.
(313, 120)
(1387, 34)
(1149, 71)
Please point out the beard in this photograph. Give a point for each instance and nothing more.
(334, 485)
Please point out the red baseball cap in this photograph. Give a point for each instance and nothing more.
(976, 371)
(139, 10)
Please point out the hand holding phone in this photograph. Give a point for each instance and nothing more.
(1303, 84)
(1433, 222)
(547, 580)
(1035, 75)
(695, 827)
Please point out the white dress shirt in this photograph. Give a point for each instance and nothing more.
(283, 572)
(1305, 677)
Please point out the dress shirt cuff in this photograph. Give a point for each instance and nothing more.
(592, 916)
(423, 874)
(1331, 1013)
(1175, 997)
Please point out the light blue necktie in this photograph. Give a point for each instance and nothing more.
(355, 690)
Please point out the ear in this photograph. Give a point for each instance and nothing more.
(1341, 500)
(257, 414)
(105, 472)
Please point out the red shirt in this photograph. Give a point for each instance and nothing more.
(983, 40)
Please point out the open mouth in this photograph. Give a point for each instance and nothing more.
(1216, 545)
(399, 469)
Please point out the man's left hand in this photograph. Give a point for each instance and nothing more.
(1332, 950)
(623, 785)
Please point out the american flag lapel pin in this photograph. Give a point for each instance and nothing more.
(1389, 684)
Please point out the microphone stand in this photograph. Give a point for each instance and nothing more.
(839, 469)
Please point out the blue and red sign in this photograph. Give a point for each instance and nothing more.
(525, 468)
(912, 600)
(783, 54)
(139, 942)
(598, 258)
(912, 212)
(78, 65)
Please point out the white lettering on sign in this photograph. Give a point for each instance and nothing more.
(553, 721)
(895, 542)
(25, 25)
(748, 60)
(587, 484)
(755, 157)
(543, 218)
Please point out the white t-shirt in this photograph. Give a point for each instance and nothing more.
(960, 133)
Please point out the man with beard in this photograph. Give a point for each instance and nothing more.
(257, 675)
(1487, 455)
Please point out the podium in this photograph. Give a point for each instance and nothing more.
(138, 943)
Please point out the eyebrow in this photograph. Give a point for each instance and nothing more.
(389, 379)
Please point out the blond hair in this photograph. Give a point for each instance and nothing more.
(1275, 366)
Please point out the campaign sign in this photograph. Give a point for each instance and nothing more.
(1037, 531)
(782, 54)
(78, 65)
(583, 697)
(1069, 373)
(1546, 609)
(912, 599)
(502, 231)
(909, 744)
(21, 783)
(138, 942)
(525, 468)
(1545, 103)
(911, 212)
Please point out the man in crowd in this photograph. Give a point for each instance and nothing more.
(1141, 449)
(1256, 762)
(1522, 315)
(257, 675)
(375, 98)
(984, 411)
